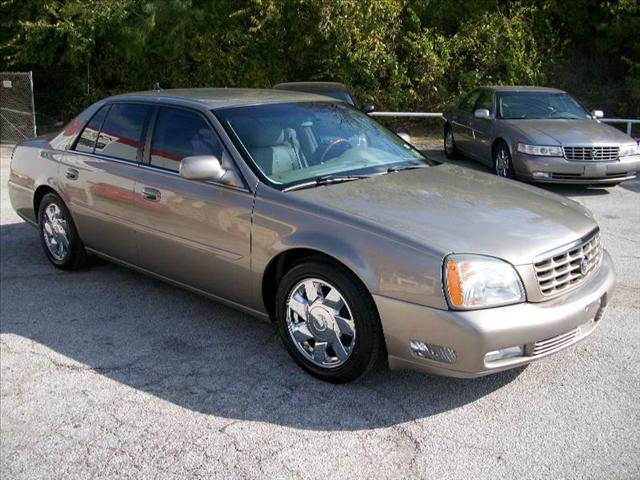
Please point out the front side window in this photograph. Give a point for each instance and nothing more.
(293, 143)
(469, 101)
(178, 134)
(547, 105)
(87, 140)
(121, 134)
(485, 100)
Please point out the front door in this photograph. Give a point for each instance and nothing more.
(195, 232)
(461, 123)
(482, 130)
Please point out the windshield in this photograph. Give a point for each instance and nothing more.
(513, 105)
(294, 143)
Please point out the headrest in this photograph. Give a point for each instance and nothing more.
(259, 134)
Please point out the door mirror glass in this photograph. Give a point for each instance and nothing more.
(202, 167)
(598, 114)
(369, 109)
(405, 136)
(482, 113)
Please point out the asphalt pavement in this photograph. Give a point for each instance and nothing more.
(106, 373)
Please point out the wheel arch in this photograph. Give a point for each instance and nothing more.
(497, 141)
(39, 194)
(279, 265)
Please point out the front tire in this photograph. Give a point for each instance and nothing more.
(502, 163)
(328, 321)
(58, 234)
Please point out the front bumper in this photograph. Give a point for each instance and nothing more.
(561, 170)
(473, 334)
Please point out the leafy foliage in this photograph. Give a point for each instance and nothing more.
(399, 54)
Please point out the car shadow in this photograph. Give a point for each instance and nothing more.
(632, 185)
(196, 353)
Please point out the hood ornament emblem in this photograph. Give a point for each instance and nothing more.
(584, 265)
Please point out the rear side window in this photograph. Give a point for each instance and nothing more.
(121, 134)
(178, 134)
(87, 140)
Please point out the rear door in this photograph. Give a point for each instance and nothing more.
(195, 232)
(97, 176)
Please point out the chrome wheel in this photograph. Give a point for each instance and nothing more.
(55, 230)
(448, 141)
(320, 323)
(503, 163)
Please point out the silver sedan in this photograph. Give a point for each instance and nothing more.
(539, 134)
(302, 210)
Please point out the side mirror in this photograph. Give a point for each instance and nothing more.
(405, 136)
(482, 113)
(598, 114)
(202, 167)
(369, 109)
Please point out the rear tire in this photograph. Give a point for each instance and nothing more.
(450, 150)
(309, 299)
(58, 234)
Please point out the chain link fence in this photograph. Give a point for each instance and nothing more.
(17, 113)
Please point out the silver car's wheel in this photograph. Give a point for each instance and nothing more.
(55, 231)
(328, 321)
(58, 234)
(448, 142)
(320, 323)
(502, 162)
(450, 150)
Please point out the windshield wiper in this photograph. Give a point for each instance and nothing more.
(406, 167)
(325, 180)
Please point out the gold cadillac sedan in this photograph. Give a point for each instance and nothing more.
(300, 209)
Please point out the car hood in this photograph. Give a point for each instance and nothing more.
(568, 132)
(454, 209)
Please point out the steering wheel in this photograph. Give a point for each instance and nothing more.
(331, 145)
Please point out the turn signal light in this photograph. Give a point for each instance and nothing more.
(454, 286)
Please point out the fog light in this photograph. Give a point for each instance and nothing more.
(503, 353)
(433, 352)
(541, 175)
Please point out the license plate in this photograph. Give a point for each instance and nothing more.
(595, 170)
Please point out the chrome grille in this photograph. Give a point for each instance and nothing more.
(566, 267)
(591, 154)
(552, 344)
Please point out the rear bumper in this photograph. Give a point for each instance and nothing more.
(561, 170)
(547, 326)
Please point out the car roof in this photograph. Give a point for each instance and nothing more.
(215, 98)
(522, 88)
(314, 86)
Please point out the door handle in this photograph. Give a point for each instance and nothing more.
(151, 194)
(72, 174)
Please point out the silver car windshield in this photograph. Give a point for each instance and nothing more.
(540, 105)
(294, 143)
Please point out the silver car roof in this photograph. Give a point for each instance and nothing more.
(215, 98)
(522, 88)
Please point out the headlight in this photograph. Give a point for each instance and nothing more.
(539, 150)
(627, 150)
(476, 281)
